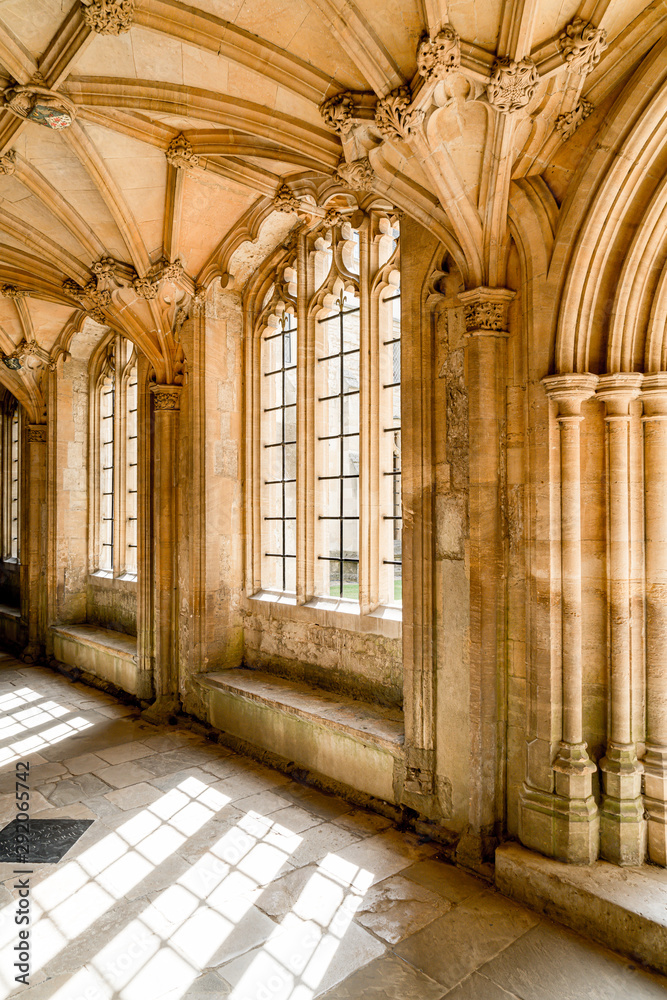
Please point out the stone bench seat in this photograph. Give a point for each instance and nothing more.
(343, 739)
(102, 652)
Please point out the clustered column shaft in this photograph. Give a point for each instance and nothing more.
(622, 825)
(576, 815)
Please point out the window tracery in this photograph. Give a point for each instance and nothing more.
(114, 437)
(325, 494)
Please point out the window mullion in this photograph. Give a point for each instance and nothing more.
(368, 446)
(119, 462)
(305, 424)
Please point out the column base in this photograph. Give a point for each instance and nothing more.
(33, 653)
(162, 709)
(655, 802)
(564, 824)
(622, 823)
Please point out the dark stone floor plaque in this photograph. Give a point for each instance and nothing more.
(49, 840)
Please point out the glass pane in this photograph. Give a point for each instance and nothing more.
(278, 457)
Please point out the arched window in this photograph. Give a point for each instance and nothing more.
(114, 448)
(325, 479)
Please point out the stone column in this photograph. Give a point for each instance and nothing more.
(486, 348)
(576, 821)
(34, 554)
(622, 825)
(166, 407)
(654, 398)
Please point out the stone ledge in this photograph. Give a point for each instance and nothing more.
(346, 740)
(622, 908)
(105, 639)
(7, 611)
(106, 654)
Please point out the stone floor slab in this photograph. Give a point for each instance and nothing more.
(472, 933)
(386, 978)
(552, 963)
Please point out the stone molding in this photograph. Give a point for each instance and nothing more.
(36, 432)
(570, 391)
(338, 111)
(108, 17)
(568, 123)
(393, 117)
(440, 55)
(654, 394)
(180, 153)
(512, 85)
(582, 44)
(617, 392)
(166, 397)
(486, 311)
(8, 162)
(285, 199)
(358, 175)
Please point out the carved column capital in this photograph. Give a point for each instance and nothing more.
(166, 397)
(512, 84)
(440, 55)
(485, 311)
(582, 44)
(36, 432)
(108, 17)
(617, 392)
(570, 391)
(654, 394)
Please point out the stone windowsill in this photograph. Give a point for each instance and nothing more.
(105, 578)
(330, 612)
(105, 639)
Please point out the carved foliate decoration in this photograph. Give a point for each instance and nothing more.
(285, 199)
(101, 297)
(73, 289)
(145, 288)
(393, 117)
(485, 310)
(333, 218)
(8, 162)
(337, 112)
(358, 175)
(440, 55)
(12, 292)
(40, 105)
(36, 432)
(172, 270)
(105, 268)
(568, 124)
(485, 316)
(512, 84)
(166, 397)
(582, 44)
(108, 17)
(180, 153)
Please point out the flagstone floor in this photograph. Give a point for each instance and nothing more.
(202, 874)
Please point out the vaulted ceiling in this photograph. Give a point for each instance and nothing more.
(192, 123)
